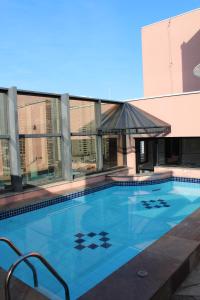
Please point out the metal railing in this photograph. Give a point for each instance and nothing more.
(19, 253)
(24, 258)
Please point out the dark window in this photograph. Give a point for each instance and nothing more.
(173, 151)
(191, 152)
(143, 152)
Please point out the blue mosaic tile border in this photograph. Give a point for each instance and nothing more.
(27, 208)
(185, 179)
(145, 182)
(31, 207)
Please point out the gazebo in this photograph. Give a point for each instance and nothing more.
(128, 119)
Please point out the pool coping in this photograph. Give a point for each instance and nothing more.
(182, 244)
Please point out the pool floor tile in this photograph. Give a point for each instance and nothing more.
(104, 239)
(79, 241)
(106, 245)
(79, 247)
(103, 233)
(93, 246)
(79, 235)
(91, 234)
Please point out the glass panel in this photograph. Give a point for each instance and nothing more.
(191, 152)
(4, 164)
(38, 115)
(109, 152)
(82, 116)
(83, 155)
(161, 151)
(40, 159)
(173, 151)
(3, 114)
(143, 151)
(107, 109)
(146, 152)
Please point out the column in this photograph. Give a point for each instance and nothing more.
(66, 138)
(99, 149)
(15, 165)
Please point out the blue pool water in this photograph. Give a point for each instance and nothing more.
(89, 237)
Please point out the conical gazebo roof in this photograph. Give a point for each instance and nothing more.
(129, 119)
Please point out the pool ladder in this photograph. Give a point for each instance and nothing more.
(24, 258)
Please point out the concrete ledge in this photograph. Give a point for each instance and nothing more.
(168, 261)
(179, 171)
(139, 177)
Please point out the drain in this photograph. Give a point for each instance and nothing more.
(142, 273)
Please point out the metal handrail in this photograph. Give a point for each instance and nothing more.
(16, 250)
(45, 263)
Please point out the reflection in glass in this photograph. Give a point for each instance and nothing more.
(82, 116)
(107, 109)
(3, 114)
(109, 152)
(83, 155)
(38, 115)
(4, 164)
(40, 159)
(191, 152)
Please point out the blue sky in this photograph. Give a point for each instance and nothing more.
(84, 47)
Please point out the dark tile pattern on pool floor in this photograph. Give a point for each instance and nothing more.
(92, 240)
(157, 203)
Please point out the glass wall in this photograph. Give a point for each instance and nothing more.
(40, 159)
(38, 115)
(83, 139)
(84, 158)
(4, 164)
(107, 109)
(146, 155)
(4, 145)
(190, 155)
(109, 152)
(40, 156)
(3, 114)
(172, 151)
(179, 151)
(42, 145)
(82, 117)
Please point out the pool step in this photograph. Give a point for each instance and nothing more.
(7, 283)
(190, 288)
(19, 290)
(47, 293)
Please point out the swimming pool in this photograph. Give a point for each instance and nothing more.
(89, 237)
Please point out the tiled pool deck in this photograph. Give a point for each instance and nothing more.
(168, 261)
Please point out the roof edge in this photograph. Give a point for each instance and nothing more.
(162, 96)
(171, 18)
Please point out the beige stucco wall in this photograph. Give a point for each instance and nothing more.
(170, 51)
(182, 112)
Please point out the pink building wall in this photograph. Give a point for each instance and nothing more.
(170, 50)
(180, 111)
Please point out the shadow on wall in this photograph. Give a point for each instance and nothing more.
(190, 58)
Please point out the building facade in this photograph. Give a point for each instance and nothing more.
(47, 137)
(170, 51)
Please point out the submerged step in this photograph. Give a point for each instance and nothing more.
(47, 293)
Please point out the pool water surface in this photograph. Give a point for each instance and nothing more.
(89, 237)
